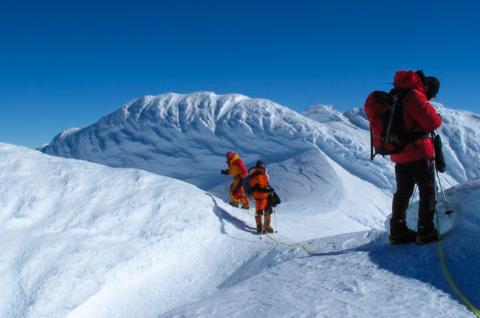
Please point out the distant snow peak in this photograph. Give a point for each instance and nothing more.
(357, 117)
(323, 113)
(186, 106)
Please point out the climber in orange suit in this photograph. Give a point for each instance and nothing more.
(237, 170)
(261, 191)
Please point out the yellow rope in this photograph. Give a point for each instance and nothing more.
(443, 261)
(452, 283)
(280, 242)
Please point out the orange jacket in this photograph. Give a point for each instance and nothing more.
(259, 183)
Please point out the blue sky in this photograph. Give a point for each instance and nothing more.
(65, 64)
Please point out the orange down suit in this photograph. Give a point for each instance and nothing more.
(260, 186)
(237, 170)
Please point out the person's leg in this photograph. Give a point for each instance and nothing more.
(405, 186)
(424, 175)
(243, 198)
(258, 215)
(268, 217)
(232, 191)
(399, 232)
(263, 211)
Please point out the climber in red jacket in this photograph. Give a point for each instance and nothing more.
(414, 164)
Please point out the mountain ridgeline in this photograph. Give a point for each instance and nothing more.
(186, 137)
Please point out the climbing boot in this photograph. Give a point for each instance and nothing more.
(427, 234)
(258, 220)
(400, 233)
(268, 227)
(234, 204)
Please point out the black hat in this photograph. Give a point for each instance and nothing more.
(260, 164)
(422, 76)
(433, 86)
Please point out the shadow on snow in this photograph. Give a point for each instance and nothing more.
(225, 216)
(423, 263)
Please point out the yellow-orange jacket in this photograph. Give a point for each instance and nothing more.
(236, 167)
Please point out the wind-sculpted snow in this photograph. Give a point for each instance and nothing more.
(84, 240)
(460, 132)
(357, 275)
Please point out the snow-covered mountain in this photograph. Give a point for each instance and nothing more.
(186, 137)
(460, 132)
(84, 240)
(461, 138)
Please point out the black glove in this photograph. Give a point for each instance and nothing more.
(225, 172)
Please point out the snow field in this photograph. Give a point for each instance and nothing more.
(352, 275)
(83, 240)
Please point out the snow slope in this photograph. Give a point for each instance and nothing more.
(460, 132)
(461, 138)
(357, 275)
(83, 240)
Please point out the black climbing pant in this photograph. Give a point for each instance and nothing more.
(422, 173)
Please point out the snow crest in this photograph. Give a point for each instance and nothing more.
(83, 240)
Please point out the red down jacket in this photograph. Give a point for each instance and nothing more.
(418, 115)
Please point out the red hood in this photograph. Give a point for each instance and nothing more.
(408, 80)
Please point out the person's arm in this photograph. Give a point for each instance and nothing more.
(423, 113)
(229, 170)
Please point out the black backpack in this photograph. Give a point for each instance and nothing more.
(273, 200)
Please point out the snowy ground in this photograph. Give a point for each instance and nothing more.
(354, 275)
(83, 240)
